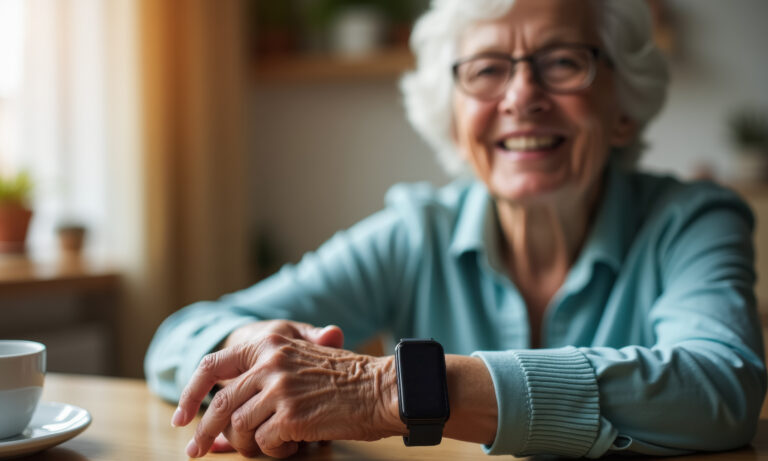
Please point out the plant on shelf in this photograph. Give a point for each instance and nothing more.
(15, 211)
(324, 11)
(274, 26)
(749, 130)
(748, 133)
(393, 17)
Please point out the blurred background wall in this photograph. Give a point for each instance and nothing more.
(719, 65)
(202, 144)
(324, 156)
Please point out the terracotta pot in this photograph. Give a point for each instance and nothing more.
(71, 239)
(14, 223)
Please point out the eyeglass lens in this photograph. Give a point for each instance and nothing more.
(559, 69)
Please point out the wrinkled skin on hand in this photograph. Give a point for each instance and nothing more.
(283, 390)
(331, 336)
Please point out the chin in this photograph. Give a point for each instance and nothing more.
(526, 188)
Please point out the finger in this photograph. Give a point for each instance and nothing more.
(270, 442)
(243, 442)
(253, 413)
(218, 366)
(221, 445)
(283, 451)
(219, 413)
(330, 336)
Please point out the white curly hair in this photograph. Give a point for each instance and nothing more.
(624, 27)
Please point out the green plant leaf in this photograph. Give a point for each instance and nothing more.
(748, 129)
(16, 188)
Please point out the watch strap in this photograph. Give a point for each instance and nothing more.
(423, 435)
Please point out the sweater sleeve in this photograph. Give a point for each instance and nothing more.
(701, 385)
(698, 387)
(350, 281)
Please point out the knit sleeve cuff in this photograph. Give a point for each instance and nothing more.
(548, 402)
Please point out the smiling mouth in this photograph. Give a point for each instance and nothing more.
(530, 143)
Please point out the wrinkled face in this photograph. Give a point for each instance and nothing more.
(530, 145)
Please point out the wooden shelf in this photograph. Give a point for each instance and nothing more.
(387, 64)
(22, 275)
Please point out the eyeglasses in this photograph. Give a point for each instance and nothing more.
(558, 69)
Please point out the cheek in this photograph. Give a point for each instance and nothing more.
(591, 121)
(473, 121)
(590, 149)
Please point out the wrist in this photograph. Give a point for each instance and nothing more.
(473, 400)
(389, 411)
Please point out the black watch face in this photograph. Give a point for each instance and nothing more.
(421, 374)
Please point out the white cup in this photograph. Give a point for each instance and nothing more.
(22, 372)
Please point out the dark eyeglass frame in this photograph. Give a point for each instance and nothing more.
(531, 59)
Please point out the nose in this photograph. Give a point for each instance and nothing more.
(524, 96)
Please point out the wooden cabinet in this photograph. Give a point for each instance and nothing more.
(71, 306)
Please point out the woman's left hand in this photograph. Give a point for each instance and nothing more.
(284, 391)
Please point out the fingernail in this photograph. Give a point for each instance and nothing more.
(192, 449)
(178, 417)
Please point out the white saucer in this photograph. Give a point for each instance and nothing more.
(52, 424)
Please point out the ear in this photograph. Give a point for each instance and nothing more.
(623, 131)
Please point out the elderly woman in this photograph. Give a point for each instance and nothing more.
(585, 309)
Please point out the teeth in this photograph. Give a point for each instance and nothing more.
(529, 142)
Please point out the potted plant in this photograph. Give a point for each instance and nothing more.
(15, 213)
(72, 236)
(748, 132)
(358, 27)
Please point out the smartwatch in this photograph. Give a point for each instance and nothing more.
(422, 390)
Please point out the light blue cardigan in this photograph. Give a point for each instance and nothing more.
(652, 345)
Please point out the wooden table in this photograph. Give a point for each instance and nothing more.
(129, 423)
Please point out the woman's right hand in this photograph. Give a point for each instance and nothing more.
(329, 336)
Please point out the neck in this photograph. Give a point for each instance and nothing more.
(541, 241)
